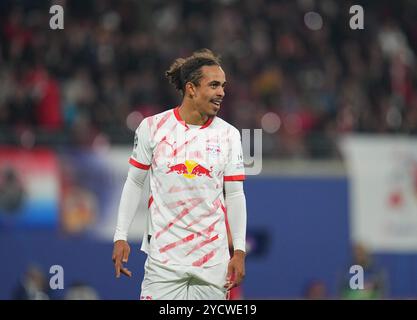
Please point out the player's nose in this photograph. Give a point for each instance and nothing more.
(220, 92)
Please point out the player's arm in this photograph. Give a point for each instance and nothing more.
(236, 213)
(130, 198)
(234, 175)
(129, 203)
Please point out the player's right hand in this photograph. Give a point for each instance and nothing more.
(121, 252)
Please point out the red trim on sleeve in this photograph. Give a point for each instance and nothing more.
(139, 165)
(235, 178)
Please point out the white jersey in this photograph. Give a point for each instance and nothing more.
(188, 166)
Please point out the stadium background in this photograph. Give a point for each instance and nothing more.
(71, 99)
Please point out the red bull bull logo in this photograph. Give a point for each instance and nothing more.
(179, 168)
(190, 169)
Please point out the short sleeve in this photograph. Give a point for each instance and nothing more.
(142, 153)
(235, 170)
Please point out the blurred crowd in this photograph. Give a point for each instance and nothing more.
(303, 82)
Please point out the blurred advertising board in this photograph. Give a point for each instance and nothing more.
(383, 191)
(74, 191)
(29, 188)
(91, 184)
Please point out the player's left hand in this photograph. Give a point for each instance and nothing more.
(235, 270)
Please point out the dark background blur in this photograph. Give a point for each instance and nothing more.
(71, 99)
(105, 71)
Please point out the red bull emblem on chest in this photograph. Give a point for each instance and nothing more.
(190, 169)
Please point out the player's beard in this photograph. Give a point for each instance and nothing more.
(213, 109)
(208, 108)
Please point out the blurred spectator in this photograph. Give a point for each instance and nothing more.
(81, 291)
(33, 285)
(375, 282)
(45, 95)
(315, 290)
(79, 204)
(12, 193)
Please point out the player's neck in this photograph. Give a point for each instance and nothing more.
(191, 115)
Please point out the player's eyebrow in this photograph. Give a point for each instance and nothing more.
(217, 83)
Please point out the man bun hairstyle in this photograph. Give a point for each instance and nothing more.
(188, 69)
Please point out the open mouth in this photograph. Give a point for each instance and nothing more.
(216, 102)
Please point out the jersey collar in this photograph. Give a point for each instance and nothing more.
(180, 120)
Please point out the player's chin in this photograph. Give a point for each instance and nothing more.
(212, 110)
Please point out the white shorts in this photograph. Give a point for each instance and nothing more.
(170, 282)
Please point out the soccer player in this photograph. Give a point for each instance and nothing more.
(192, 155)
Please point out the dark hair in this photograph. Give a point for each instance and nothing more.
(189, 69)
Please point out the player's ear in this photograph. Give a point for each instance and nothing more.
(190, 90)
